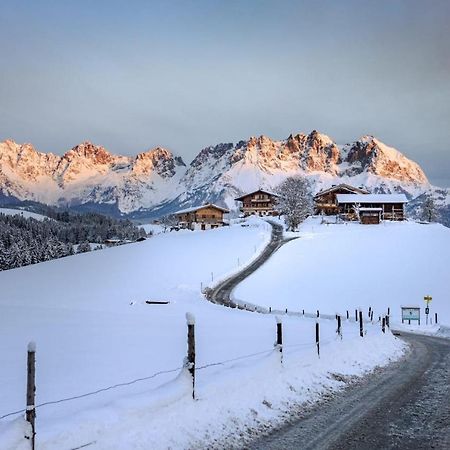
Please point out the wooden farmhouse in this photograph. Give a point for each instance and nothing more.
(325, 201)
(260, 203)
(202, 217)
(372, 208)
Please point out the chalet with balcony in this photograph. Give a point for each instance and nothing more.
(204, 217)
(260, 203)
(325, 201)
(371, 208)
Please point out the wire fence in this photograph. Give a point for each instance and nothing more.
(267, 352)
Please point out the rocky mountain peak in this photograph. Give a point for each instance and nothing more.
(95, 153)
(369, 154)
(159, 160)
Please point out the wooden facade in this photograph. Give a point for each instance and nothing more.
(325, 201)
(202, 217)
(370, 216)
(389, 206)
(260, 203)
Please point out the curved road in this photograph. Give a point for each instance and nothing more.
(221, 294)
(404, 406)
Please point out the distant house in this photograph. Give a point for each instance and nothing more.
(372, 208)
(113, 242)
(202, 217)
(260, 202)
(325, 200)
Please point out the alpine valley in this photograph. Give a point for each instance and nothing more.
(156, 182)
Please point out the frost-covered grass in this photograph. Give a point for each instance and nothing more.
(93, 329)
(337, 267)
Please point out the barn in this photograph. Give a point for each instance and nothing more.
(370, 206)
(325, 200)
(202, 217)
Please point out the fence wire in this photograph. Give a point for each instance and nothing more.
(163, 372)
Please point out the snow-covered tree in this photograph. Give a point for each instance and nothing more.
(429, 212)
(84, 247)
(356, 209)
(168, 221)
(294, 200)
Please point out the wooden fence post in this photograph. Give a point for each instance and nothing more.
(31, 390)
(370, 310)
(361, 330)
(317, 339)
(286, 310)
(347, 314)
(383, 325)
(318, 314)
(339, 331)
(387, 321)
(371, 315)
(280, 337)
(435, 319)
(303, 312)
(190, 320)
(389, 311)
(356, 315)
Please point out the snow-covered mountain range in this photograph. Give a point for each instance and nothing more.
(156, 182)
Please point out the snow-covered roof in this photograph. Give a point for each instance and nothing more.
(371, 198)
(196, 208)
(254, 192)
(342, 186)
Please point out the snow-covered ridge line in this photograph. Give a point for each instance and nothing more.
(157, 182)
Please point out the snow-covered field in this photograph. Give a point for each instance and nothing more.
(23, 213)
(152, 228)
(93, 329)
(339, 267)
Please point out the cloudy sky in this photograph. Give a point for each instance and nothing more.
(131, 75)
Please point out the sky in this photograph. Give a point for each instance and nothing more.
(132, 75)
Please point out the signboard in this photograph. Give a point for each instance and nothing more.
(410, 313)
(427, 310)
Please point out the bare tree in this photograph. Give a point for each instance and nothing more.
(294, 200)
(168, 221)
(429, 212)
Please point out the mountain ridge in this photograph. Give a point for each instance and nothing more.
(156, 181)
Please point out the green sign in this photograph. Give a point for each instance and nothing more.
(410, 313)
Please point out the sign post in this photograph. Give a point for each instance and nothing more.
(427, 300)
(410, 313)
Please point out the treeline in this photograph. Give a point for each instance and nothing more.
(25, 241)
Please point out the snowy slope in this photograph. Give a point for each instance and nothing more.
(347, 266)
(26, 214)
(88, 315)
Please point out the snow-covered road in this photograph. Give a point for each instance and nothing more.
(406, 405)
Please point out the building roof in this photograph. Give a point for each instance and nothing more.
(196, 208)
(371, 198)
(254, 192)
(354, 189)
